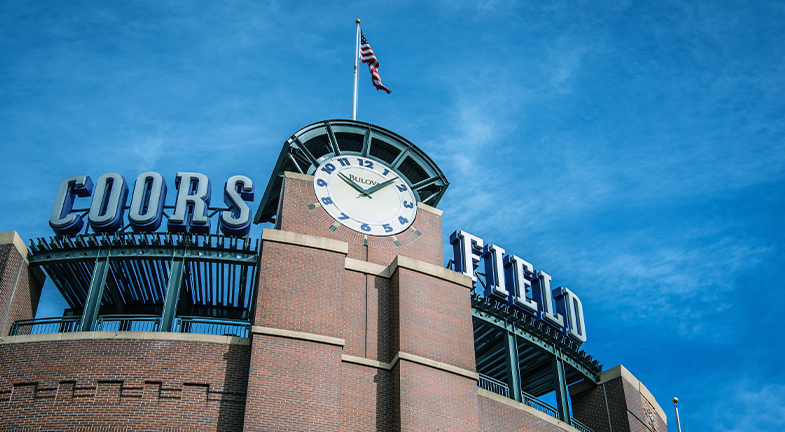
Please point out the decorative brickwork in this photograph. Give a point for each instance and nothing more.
(125, 383)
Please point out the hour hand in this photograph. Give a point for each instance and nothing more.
(353, 184)
(380, 185)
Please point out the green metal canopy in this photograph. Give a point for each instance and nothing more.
(304, 151)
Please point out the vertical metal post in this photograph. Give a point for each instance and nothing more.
(560, 382)
(676, 407)
(513, 372)
(172, 295)
(356, 57)
(95, 293)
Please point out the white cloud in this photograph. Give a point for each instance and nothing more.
(748, 405)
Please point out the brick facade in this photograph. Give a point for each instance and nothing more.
(348, 334)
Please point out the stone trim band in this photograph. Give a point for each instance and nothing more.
(182, 337)
(291, 334)
(311, 241)
(414, 359)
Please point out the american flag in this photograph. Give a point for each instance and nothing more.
(366, 55)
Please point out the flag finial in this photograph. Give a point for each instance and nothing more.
(357, 20)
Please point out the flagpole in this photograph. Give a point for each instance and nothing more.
(356, 57)
(676, 406)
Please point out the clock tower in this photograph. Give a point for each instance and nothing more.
(356, 317)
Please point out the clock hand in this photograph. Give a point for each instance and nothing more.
(362, 191)
(379, 186)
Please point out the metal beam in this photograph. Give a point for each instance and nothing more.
(172, 295)
(535, 340)
(229, 256)
(332, 142)
(560, 382)
(513, 372)
(95, 293)
(366, 143)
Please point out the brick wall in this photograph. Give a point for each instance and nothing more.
(434, 318)
(125, 384)
(366, 398)
(293, 385)
(300, 289)
(435, 400)
(498, 417)
(619, 403)
(20, 286)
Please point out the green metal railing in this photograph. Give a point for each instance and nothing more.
(45, 325)
(580, 426)
(539, 405)
(136, 323)
(501, 388)
(493, 385)
(223, 327)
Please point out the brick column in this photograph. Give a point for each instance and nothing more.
(294, 380)
(619, 403)
(20, 285)
(433, 373)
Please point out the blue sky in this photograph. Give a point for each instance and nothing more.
(633, 150)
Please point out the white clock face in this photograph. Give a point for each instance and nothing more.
(365, 195)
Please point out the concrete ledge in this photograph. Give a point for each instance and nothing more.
(407, 263)
(414, 359)
(366, 362)
(121, 335)
(298, 176)
(434, 364)
(529, 410)
(429, 209)
(430, 270)
(291, 334)
(621, 372)
(305, 240)
(366, 267)
(12, 237)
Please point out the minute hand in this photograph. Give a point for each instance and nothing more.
(379, 186)
(353, 184)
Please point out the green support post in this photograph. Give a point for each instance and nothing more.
(95, 294)
(513, 372)
(560, 382)
(172, 295)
